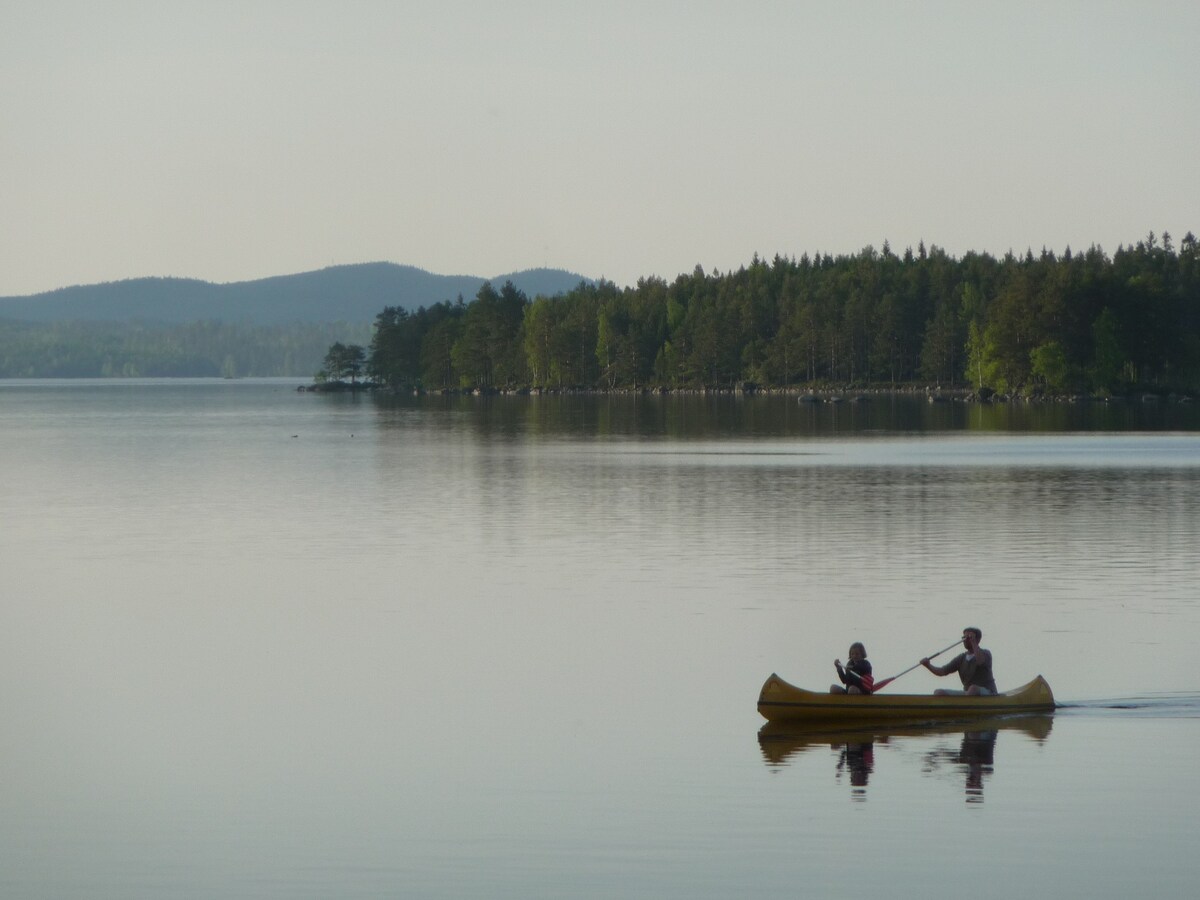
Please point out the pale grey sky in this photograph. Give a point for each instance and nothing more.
(236, 140)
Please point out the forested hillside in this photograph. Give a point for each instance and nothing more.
(161, 327)
(201, 349)
(1082, 322)
(336, 294)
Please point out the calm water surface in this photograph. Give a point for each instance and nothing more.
(256, 643)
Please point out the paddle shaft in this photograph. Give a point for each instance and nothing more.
(887, 681)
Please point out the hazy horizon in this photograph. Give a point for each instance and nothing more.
(230, 142)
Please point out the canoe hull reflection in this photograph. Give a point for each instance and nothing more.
(780, 741)
(782, 702)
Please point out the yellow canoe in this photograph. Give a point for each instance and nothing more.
(782, 702)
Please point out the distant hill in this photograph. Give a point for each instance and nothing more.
(354, 293)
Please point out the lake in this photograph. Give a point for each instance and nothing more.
(256, 643)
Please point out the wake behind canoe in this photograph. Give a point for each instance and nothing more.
(782, 702)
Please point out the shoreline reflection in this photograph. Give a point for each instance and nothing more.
(974, 757)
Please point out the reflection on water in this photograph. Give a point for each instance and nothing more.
(858, 759)
(1172, 705)
(242, 626)
(973, 758)
(715, 416)
(976, 756)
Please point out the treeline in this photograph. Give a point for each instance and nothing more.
(201, 349)
(1019, 324)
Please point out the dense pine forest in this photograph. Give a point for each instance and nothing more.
(1033, 324)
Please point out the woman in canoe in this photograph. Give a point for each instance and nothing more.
(856, 677)
(974, 667)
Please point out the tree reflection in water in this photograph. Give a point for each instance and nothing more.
(975, 756)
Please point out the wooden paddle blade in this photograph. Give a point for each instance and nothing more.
(880, 685)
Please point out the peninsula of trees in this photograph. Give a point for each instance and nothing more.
(1052, 324)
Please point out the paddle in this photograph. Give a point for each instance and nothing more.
(865, 681)
(880, 685)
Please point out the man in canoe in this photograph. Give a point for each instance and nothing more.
(974, 667)
(857, 675)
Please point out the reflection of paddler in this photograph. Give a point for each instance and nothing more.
(860, 760)
(978, 748)
(978, 754)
